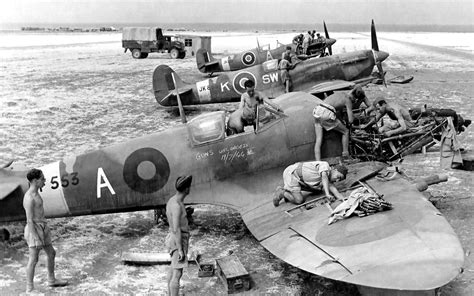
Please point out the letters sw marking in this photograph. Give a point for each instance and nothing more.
(270, 78)
(101, 176)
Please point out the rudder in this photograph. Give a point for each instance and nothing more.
(203, 57)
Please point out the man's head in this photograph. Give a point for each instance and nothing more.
(249, 87)
(338, 173)
(358, 92)
(317, 34)
(183, 184)
(380, 104)
(36, 177)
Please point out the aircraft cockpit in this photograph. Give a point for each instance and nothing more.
(212, 127)
(207, 128)
(270, 66)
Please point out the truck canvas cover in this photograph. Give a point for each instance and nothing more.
(139, 33)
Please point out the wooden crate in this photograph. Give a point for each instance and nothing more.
(233, 274)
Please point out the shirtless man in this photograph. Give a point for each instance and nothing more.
(400, 116)
(325, 117)
(285, 66)
(37, 233)
(177, 240)
(309, 176)
(246, 114)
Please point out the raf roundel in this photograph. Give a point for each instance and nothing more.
(160, 170)
(240, 79)
(248, 58)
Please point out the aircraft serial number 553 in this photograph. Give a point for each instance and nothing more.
(65, 180)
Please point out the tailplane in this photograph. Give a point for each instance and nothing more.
(166, 84)
(206, 63)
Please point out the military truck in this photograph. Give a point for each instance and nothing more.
(143, 40)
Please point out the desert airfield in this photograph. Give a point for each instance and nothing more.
(66, 94)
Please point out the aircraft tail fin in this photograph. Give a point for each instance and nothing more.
(165, 87)
(206, 63)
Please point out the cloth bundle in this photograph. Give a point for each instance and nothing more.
(360, 202)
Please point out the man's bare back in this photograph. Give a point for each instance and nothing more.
(338, 100)
(395, 112)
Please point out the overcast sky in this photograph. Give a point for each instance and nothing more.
(423, 12)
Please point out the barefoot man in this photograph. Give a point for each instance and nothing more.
(178, 237)
(37, 233)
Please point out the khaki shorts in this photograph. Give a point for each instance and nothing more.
(173, 250)
(44, 235)
(325, 117)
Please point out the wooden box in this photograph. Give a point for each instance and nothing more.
(233, 274)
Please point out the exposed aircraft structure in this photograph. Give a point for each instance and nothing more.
(393, 250)
(315, 75)
(206, 63)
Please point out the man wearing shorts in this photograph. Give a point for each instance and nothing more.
(325, 118)
(37, 233)
(309, 176)
(177, 240)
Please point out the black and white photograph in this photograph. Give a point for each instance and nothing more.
(215, 147)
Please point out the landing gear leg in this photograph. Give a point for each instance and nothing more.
(160, 216)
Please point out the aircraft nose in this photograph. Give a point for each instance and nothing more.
(330, 41)
(380, 56)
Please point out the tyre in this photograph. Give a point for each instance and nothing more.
(182, 55)
(143, 55)
(136, 53)
(174, 53)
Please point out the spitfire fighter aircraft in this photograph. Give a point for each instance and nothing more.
(314, 75)
(396, 250)
(206, 63)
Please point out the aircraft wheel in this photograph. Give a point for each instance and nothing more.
(174, 53)
(136, 53)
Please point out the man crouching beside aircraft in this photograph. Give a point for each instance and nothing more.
(250, 101)
(177, 240)
(309, 176)
(37, 233)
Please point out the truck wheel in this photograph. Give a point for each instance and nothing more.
(174, 53)
(182, 55)
(136, 53)
(143, 55)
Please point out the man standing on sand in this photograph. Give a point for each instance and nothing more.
(325, 117)
(37, 233)
(178, 237)
(285, 66)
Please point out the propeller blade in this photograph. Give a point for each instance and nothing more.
(326, 30)
(327, 37)
(382, 74)
(373, 35)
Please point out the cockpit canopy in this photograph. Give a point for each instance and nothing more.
(270, 65)
(207, 128)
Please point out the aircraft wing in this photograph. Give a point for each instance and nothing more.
(396, 249)
(327, 86)
(7, 188)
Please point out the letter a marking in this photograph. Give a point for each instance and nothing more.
(101, 176)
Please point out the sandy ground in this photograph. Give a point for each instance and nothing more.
(68, 99)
